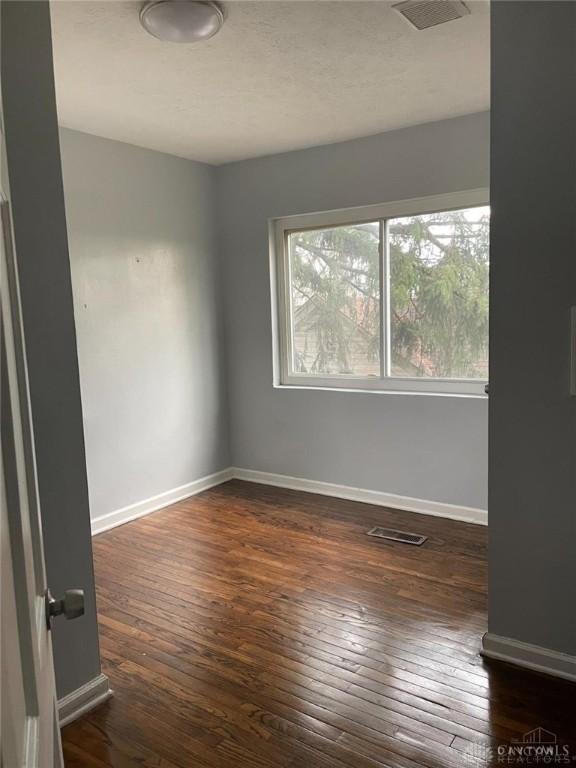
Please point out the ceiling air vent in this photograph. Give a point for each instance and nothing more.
(402, 536)
(423, 14)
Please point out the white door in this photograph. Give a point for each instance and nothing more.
(30, 736)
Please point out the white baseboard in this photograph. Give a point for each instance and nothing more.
(141, 508)
(529, 656)
(83, 699)
(406, 503)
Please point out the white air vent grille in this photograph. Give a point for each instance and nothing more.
(423, 14)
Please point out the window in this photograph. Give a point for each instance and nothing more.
(386, 297)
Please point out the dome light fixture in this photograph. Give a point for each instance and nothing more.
(182, 21)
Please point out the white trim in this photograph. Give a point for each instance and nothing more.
(394, 384)
(413, 206)
(31, 742)
(363, 390)
(281, 296)
(405, 503)
(145, 507)
(529, 656)
(83, 699)
(365, 495)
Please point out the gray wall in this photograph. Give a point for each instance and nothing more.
(37, 199)
(532, 560)
(144, 275)
(427, 447)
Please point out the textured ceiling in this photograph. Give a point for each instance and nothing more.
(279, 76)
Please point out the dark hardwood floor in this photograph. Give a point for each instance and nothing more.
(256, 627)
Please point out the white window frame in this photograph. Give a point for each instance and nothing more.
(281, 228)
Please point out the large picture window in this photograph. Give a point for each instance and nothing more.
(386, 297)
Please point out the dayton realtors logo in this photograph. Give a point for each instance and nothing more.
(537, 747)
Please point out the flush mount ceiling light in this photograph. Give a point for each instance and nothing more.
(182, 21)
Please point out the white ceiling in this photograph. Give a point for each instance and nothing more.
(279, 76)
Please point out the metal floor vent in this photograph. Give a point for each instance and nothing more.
(423, 14)
(402, 536)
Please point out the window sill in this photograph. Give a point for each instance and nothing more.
(367, 391)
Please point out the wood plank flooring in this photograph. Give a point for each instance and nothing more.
(253, 627)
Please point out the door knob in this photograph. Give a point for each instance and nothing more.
(71, 605)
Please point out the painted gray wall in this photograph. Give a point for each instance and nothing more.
(35, 180)
(148, 317)
(426, 447)
(532, 561)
